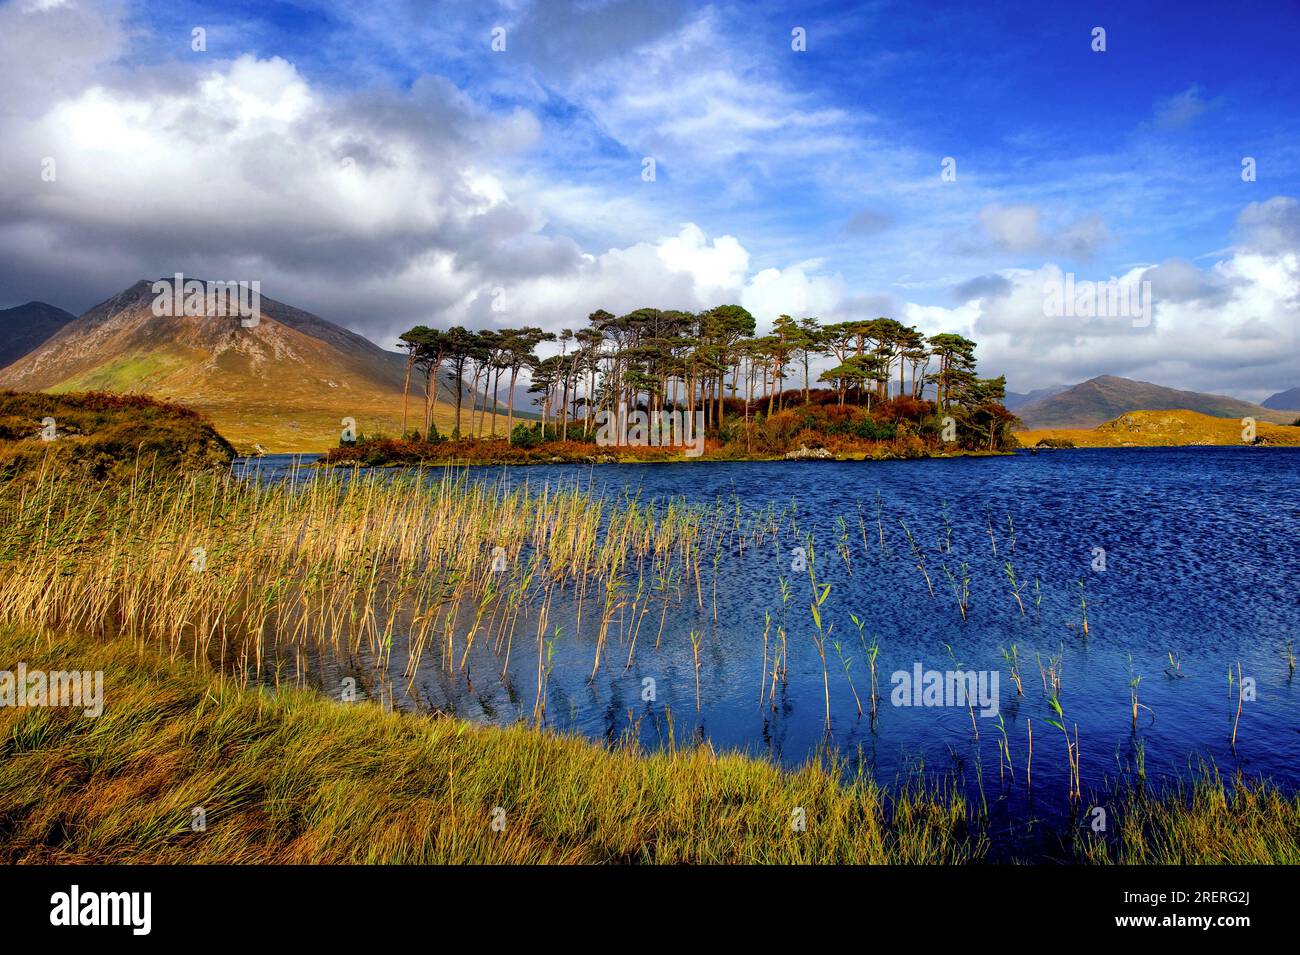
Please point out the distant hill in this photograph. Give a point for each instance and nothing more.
(1017, 399)
(1105, 398)
(23, 328)
(102, 436)
(285, 383)
(1288, 400)
(1163, 429)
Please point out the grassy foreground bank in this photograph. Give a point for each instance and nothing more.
(290, 776)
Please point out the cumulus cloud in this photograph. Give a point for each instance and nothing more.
(245, 170)
(982, 287)
(418, 202)
(1271, 226)
(1021, 229)
(1229, 328)
(378, 208)
(1179, 281)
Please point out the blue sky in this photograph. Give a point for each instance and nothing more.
(803, 182)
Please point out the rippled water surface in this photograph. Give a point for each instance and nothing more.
(1201, 561)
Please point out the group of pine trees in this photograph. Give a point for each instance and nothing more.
(667, 360)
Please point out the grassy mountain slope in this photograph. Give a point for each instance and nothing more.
(285, 384)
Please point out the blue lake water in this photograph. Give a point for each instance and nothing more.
(1201, 561)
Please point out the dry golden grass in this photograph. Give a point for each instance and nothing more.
(289, 776)
(292, 777)
(1164, 429)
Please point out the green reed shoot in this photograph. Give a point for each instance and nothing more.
(696, 642)
(1013, 665)
(917, 555)
(1015, 587)
(846, 662)
(1071, 748)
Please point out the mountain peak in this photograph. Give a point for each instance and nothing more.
(27, 327)
(1106, 397)
(1288, 400)
(286, 382)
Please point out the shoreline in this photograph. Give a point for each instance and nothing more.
(289, 775)
(1022, 451)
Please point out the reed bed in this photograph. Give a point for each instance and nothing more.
(242, 573)
(442, 571)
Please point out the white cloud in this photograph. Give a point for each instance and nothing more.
(715, 267)
(1181, 109)
(386, 207)
(1020, 229)
(1231, 328)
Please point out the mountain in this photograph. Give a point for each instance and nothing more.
(285, 383)
(1105, 398)
(25, 327)
(1288, 400)
(1017, 399)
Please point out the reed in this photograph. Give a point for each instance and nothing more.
(249, 574)
(845, 662)
(958, 666)
(1175, 668)
(1015, 587)
(842, 544)
(1237, 719)
(696, 641)
(1029, 759)
(918, 556)
(1133, 698)
(880, 523)
(819, 594)
(1004, 750)
(1083, 605)
(1071, 747)
(872, 651)
(1013, 668)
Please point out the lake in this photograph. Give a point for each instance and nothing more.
(1188, 559)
